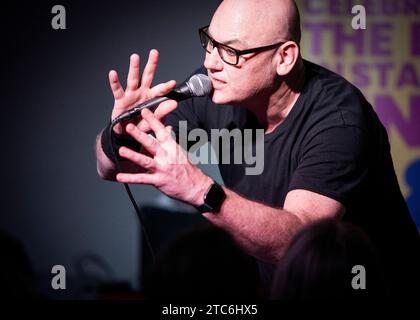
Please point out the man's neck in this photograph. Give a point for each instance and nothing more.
(280, 103)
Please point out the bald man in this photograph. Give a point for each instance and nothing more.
(326, 153)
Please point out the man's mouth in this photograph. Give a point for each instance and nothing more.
(216, 82)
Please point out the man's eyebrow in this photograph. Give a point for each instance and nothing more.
(229, 42)
(235, 41)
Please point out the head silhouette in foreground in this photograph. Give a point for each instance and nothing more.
(202, 264)
(329, 260)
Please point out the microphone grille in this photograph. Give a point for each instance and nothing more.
(200, 85)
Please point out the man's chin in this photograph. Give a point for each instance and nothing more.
(219, 98)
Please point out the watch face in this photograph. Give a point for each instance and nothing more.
(215, 197)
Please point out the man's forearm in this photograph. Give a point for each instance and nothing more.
(262, 231)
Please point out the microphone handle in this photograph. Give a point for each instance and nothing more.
(178, 94)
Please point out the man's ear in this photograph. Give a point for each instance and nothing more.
(288, 54)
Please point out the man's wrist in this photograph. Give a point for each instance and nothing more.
(212, 199)
(202, 189)
(111, 142)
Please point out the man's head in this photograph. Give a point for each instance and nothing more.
(247, 24)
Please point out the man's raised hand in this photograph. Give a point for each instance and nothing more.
(140, 90)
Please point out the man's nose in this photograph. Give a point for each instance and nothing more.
(213, 60)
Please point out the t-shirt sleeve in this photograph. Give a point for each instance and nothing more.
(333, 163)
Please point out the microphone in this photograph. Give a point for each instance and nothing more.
(197, 86)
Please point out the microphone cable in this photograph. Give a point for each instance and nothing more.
(198, 85)
(128, 190)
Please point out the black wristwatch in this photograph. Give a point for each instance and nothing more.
(213, 199)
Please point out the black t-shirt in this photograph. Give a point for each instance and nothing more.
(331, 143)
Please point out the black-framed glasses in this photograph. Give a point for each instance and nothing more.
(228, 54)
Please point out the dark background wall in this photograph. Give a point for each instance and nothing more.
(56, 98)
